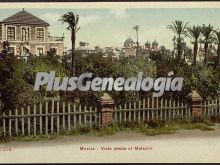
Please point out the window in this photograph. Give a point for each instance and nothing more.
(11, 33)
(40, 51)
(25, 34)
(11, 50)
(40, 34)
(54, 51)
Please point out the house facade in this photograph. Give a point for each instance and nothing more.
(28, 34)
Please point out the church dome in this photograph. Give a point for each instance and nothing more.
(129, 41)
(155, 43)
(147, 43)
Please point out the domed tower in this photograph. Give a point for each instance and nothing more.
(147, 45)
(129, 43)
(155, 44)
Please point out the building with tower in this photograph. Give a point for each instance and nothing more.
(149, 48)
(129, 49)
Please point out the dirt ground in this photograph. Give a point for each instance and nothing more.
(184, 146)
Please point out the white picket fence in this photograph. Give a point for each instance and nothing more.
(211, 107)
(47, 117)
(54, 116)
(150, 109)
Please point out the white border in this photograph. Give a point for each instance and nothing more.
(77, 5)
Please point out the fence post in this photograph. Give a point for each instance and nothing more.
(195, 103)
(105, 109)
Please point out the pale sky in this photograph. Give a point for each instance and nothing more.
(111, 27)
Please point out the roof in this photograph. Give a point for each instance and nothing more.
(84, 48)
(155, 43)
(129, 40)
(24, 18)
(147, 43)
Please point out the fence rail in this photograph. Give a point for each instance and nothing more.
(55, 116)
(211, 108)
(47, 117)
(151, 108)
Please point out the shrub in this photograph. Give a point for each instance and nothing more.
(130, 67)
(16, 92)
(83, 130)
(131, 124)
(215, 119)
(156, 123)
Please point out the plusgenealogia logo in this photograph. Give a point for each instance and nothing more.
(85, 82)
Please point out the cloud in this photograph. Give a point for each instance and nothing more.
(118, 13)
(84, 20)
(51, 17)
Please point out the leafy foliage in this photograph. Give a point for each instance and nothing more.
(130, 68)
(180, 29)
(16, 92)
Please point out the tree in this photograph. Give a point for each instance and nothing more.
(207, 32)
(99, 66)
(194, 34)
(180, 29)
(217, 38)
(130, 67)
(17, 92)
(72, 20)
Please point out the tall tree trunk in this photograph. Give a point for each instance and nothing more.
(178, 49)
(73, 39)
(195, 52)
(137, 44)
(206, 49)
(218, 60)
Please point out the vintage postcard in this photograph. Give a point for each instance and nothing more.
(111, 82)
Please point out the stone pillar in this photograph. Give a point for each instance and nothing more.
(195, 103)
(105, 109)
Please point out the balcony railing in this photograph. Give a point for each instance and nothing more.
(53, 38)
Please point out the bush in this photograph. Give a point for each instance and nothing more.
(131, 124)
(198, 119)
(83, 130)
(215, 119)
(156, 123)
(203, 79)
(16, 92)
(130, 67)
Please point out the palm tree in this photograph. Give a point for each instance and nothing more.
(217, 38)
(180, 29)
(72, 20)
(194, 34)
(207, 32)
